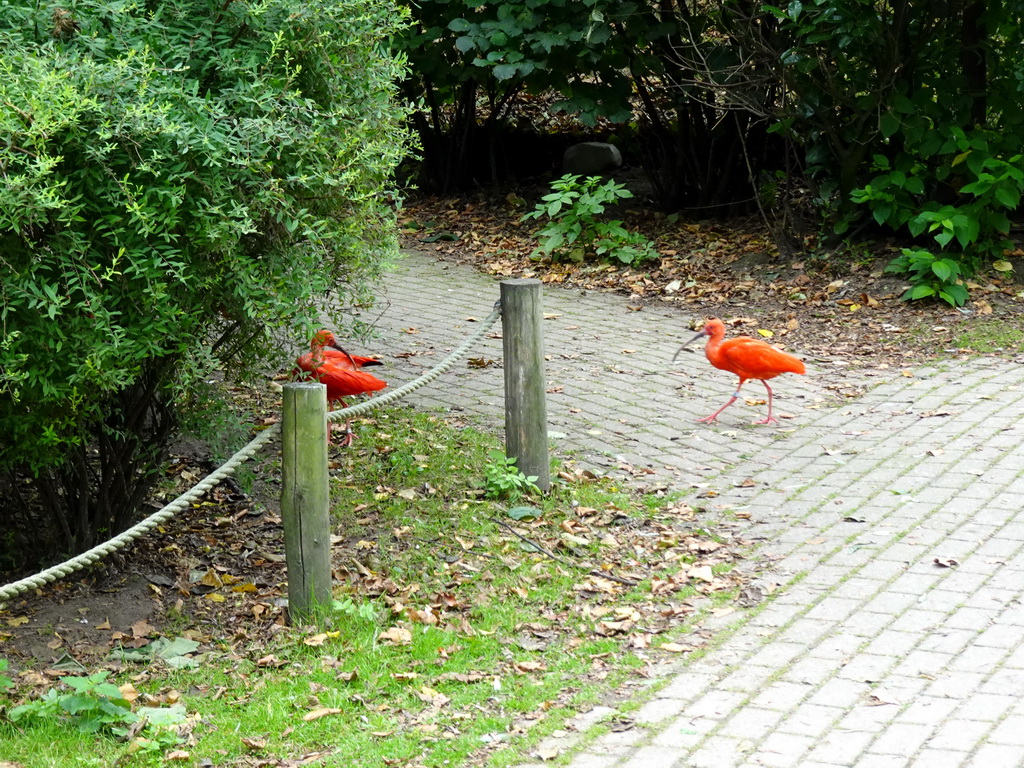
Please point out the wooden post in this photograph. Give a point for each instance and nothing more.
(526, 416)
(305, 500)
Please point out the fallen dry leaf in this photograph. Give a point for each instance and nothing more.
(128, 692)
(142, 629)
(676, 647)
(396, 636)
(548, 753)
(434, 698)
(701, 572)
(316, 714)
(874, 701)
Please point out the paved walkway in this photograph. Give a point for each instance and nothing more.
(892, 517)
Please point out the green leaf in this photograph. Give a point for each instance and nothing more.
(997, 220)
(955, 295)
(967, 230)
(505, 71)
(920, 292)
(889, 124)
(904, 105)
(1008, 198)
(78, 702)
(164, 717)
(553, 243)
(914, 186)
(942, 270)
(525, 513)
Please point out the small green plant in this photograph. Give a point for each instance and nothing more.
(347, 607)
(930, 275)
(574, 230)
(92, 706)
(6, 683)
(503, 479)
(95, 706)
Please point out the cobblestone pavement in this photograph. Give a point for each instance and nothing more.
(891, 518)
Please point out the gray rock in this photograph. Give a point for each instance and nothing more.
(591, 158)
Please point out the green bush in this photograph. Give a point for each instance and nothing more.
(180, 179)
(970, 231)
(471, 61)
(575, 229)
(907, 110)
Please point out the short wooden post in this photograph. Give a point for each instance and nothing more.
(305, 500)
(526, 415)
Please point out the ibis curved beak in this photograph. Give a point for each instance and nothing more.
(343, 351)
(684, 346)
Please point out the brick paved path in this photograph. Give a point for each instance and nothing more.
(874, 655)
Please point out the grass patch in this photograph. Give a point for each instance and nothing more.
(458, 629)
(991, 335)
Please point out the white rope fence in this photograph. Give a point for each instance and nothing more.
(227, 469)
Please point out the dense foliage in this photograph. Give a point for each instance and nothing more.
(179, 179)
(912, 108)
(471, 59)
(634, 68)
(909, 111)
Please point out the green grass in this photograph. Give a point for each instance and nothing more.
(991, 335)
(496, 631)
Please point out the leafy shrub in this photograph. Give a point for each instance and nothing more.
(471, 59)
(181, 179)
(930, 275)
(574, 230)
(970, 231)
(907, 110)
(504, 480)
(96, 706)
(92, 705)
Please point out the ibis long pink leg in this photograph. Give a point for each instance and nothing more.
(770, 418)
(714, 416)
(347, 439)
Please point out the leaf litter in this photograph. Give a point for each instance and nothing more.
(208, 588)
(833, 304)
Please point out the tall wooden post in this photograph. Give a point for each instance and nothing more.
(526, 415)
(305, 499)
